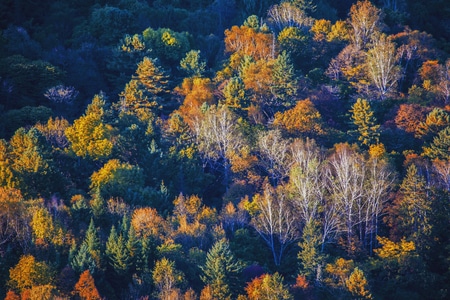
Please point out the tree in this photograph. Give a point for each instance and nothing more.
(31, 163)
(345, 177)
(383, 71)
(88, 256)
(89, 136)
(363, 118)
(218, 138)
(45, 231)
(192, 64)
(357, 284)
(221, 270)
(440, 147)
(284, 82)
(117, 253)
(117, 179)
(267, 287)
(303, 119)
(85, 287)
(288, 14)
(411, 209)
(436, 120)
(364, 20)
(274, 155)
(14, 219)
(166, 278)
(246, 40)
(29, 273)
(273, 218)
(148, 223)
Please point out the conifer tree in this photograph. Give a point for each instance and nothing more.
(117, 253)
(85, 287)
(363, 118)
(221, 270)
(284, 87)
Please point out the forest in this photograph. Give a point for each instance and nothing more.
(224, 149)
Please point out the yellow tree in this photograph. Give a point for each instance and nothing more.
(364, 20)
(29, 273)
(89, 136)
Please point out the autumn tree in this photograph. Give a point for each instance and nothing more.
(363, 118)
(85, 287)
(303, 119)
(255, 42)
(166, 278)
(440, 147)
(364, 19)
(192, 64)
(117, 179)
(90, 136)
(29, 273)
(218, 137)
(436, 120)
(268, 286)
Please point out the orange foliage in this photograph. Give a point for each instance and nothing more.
(303, 118)
(409, 117)
(430, 70)
(248, 41)
(196, 91)
(147, 222)
(85, 287)
(11, 295)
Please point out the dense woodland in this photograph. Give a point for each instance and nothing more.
(224, 149)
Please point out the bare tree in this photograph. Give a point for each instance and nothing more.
(218, 137)
(275, 221)
(274, 155)
(382, 68)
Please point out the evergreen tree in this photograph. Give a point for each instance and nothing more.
(310, 258)
(117, 253)
(221, 270)
(285, 83)
(440, 147)
(88, 256)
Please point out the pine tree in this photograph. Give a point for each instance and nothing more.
(285, 83)
(117, 253)
(363, 118)
(310, 258)
(440, 147)
(221, 270)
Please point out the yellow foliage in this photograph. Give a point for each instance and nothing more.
(321, 28)
(357, 284)
(392, 249)
(377, 151)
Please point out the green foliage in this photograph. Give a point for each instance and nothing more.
(221, 270)
(13, 119)
(440, 147)
(170, 46)
(310, 257)
(192, 64)
(117, 179)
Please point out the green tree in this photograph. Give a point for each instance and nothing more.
(411, 208)
(363, 118)
(117, 253)
(192, 64)
(310, 258)
(221, 270)
(88, 256)
(117, 179)
(285, 83)
(169, 45)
